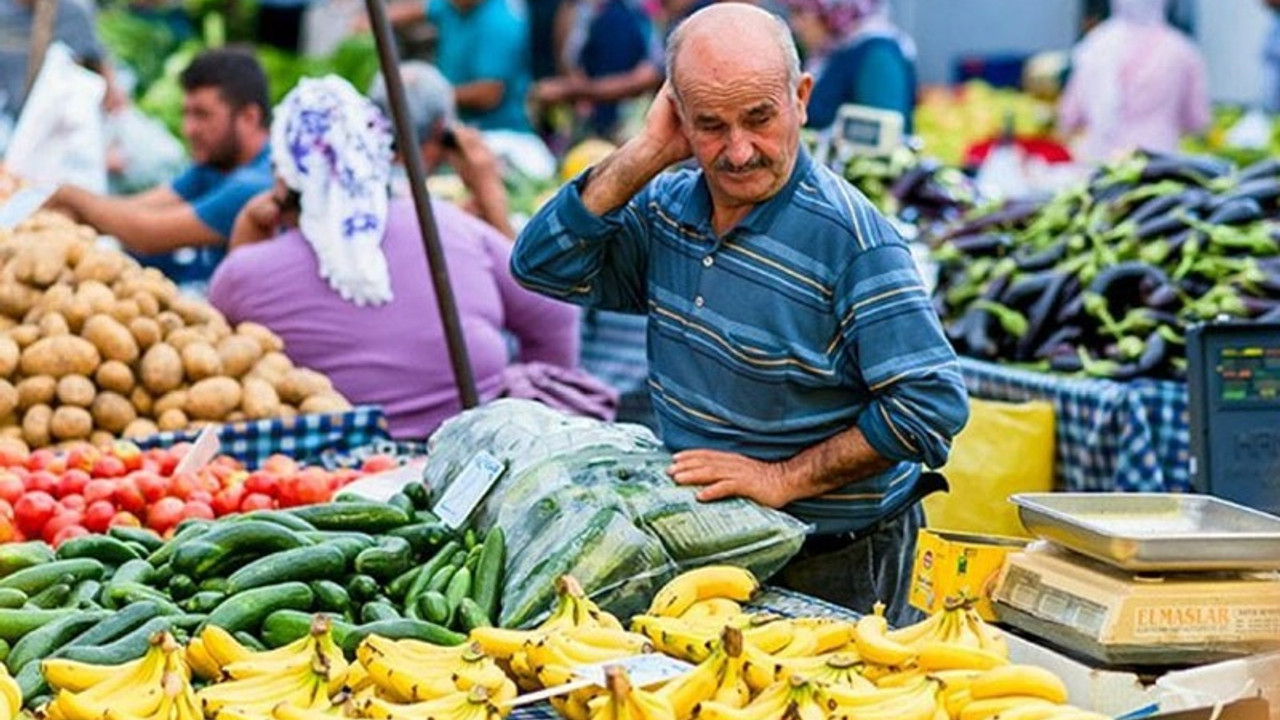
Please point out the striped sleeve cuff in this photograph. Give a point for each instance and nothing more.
(891, 440)
(574, 215)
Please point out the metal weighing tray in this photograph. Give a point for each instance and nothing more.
(1155, 532)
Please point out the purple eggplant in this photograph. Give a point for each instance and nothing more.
(1063, 336)
(1035, 261)
(1264, 190)
(1040, 314)
(989, 244)
(1236, 212)
(1127, 285)
(1197, 169)
(1263, 169)
(1170, 223)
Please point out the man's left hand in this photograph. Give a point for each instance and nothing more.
(726, 475)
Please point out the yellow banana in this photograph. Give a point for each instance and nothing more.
(502, 643)
(804, 643)
(989, 638)
(1068, 712)
(990, 707)
(860, 697)
(900, 678)
(201, 662)
(831, 634)
(920, 704)
(285, 711)
(223, 647)
(1033, 711)
(711, 581)
(10, 693)
(582, 610)
(769, 633)
(955, 700)
(717, 608)
(402, 685)
(260, 693)
(675, 638)
(913, 634)
(143, 701)
(946, 656)
(63, 674)
(842, 669)
(149, 672)
(601, 637)
(686, 691)
(625, 702)
(1019, 680)
(874, 646)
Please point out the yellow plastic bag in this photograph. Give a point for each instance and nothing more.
(1006, 448)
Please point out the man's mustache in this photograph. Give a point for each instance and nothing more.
(759, 162)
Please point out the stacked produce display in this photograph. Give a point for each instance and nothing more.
(93, 347)
(1104, 279)
(950, 120)
(911, 187)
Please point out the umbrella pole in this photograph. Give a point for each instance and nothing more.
(407, 141)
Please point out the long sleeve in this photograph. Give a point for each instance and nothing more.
(891, 332)
(595, 261)
(547, 329)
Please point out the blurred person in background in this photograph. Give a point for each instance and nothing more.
(73, 25)
(1271, 61)
(857, 56)
(330, 247)
(1136, 82)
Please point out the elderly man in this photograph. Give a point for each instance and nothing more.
(794, 356)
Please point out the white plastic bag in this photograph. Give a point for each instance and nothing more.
(59, 137)
(150, 154)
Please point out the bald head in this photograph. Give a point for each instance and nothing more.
(734, 36)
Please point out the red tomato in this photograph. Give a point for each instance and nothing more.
(200, 496)
(263, 482)
(64, 519)
(72, 502)
(280, 465)
(153, 486)
(97, 517)
(378, 463)
(41, 481)
(182, 485)
(128, 453)
(109, 466)
(32, 511)
(125, 518)
(99, 489)
(177, 451)
(197, 509)
(72, 482)
(82, 457)
(208, 482)
(6, 509)
(128, 496)
(11, 487)
(40, 459)
(256, 501)
(9, 531)
(159, 461)
(11, 456)
(227, 500)
(66, 533)
(287, 491)
(311, 486)
(164, 514)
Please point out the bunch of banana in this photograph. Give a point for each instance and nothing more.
(474, 704)
(915, 701)
(155, 687)
(554, 656)
(10, 695)
(1023, 692)
(624, 702)
(795, 698)
(409, 671)
(958, 623)
(716, 611)
(711, 581)
(722, 677)
(772, 634)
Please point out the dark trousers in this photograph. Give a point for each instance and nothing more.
(856, 571)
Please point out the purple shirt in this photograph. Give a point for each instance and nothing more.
(395, 355)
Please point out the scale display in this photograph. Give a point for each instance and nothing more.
(1248, 374)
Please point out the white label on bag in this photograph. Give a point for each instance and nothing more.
(468, 489)
(205, 448)
(642, 671)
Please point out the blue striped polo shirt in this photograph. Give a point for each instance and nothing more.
(806, 319)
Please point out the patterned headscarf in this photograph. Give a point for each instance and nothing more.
(333, 146)
(839, 16)
(1143, 12)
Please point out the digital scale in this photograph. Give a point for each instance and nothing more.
(857, 130)
(1233, 389)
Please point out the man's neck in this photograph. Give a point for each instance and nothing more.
(724, 220)
(251, 148)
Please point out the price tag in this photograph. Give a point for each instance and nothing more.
(468, 489)
(381, 486)
(642, 671)
(861, 130)
(202, 452)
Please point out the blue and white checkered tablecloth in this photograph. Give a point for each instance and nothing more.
(305, 437)
(774, 599)
(1132, 437)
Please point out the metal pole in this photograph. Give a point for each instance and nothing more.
(44, 14)
(407, 141)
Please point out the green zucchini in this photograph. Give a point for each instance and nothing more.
(142, 536)
(44, 640)
(313, 562)
(423, 537)
(378, 610)
(15, 623)
(11, 598)
(471, 616)
(486, 587)
(34, 579)
(55, 595)
(330, 596)
(103, 548)
(283, 519)
(390, 557)
(225, 545)
(404, 628)
(284, 626)
(246, 610)
(20, 556)
(362, 516)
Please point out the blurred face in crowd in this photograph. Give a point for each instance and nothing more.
(810, 29)
(738, 107)
(214, 128)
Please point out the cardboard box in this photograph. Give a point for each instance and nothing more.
(952, 565)
(1253, 676)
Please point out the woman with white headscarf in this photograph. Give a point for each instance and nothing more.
(856, 56)
(335, 265)
(1136, 82)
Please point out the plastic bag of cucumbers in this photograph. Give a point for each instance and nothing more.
(593, 500)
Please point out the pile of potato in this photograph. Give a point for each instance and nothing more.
(93, 347)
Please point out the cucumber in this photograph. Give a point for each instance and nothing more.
(15, 623)
(362, 516)
(162, 554)
(10, 598)
(419, 494)
(122, 595)
(134, 571)
(423, 537)
(378, 610)
(486, 588)
(55, 595)
(214, 583)
(425, 516)
(284, 626)
(138, 548)
(225, 545)
(103, 548)
(330, 596)
(473, 558)
(397, 588)
(113, 627)
(40, 642)
(390, 557)
(350, 543)
(362, 588)
(20, 556)
(313, 562)
(433, 607)
(34, 579)
(283, 519)
(404, 628)
(130, 646)
(181, 587)
(31, 683)
(142, 536)
(204, 601)
(84, 595)
(429, 569)
(246, 610)
(441, 579)
(402, 501)
(470, 539)
(471, 616)
(250, 641)
(456, 592)
(4, 651)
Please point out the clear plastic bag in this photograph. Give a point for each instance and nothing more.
(593, 500)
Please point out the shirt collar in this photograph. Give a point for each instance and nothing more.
(697, 211)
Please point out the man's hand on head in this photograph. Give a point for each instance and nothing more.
(725, 475)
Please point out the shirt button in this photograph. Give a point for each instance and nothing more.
(708, 261)
(698, 301)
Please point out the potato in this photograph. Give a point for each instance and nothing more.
(76, 311)
(9, 355)
(141, 427)
(59, 356)
(161, 369)
(269, 341)
(216, 330)
(169, 321)
(14, 446)
(200, 361)
(239, 354)
(213, 398)
(8, 398)
(36, 390)
(193, 312)
(12, 432)
(272, 367)
(39, 263)
(328, 402)
(145, 331)
(16, 299)
(99, 438)
(113, 340)
(181, 337)
(56, 297)
(142, 401)
(112, 412)
(299, 384)
(168, 401)
(35, 426)
(260, 399)
(125, 311)
(100, 298)
(71, 423)
(53, 324)
(115, 376)
(236, 416)
(7, 322)
(148, 306)
(76, 390)
(288, 412)
(172, 419)
(101, 265)
(25, 335)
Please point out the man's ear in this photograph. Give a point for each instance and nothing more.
(254, 114)
(804, 90)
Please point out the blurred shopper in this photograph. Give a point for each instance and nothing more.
(334, 264)
(856, 55)
(1271, 61)
(1136, 82)
(73, 26)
